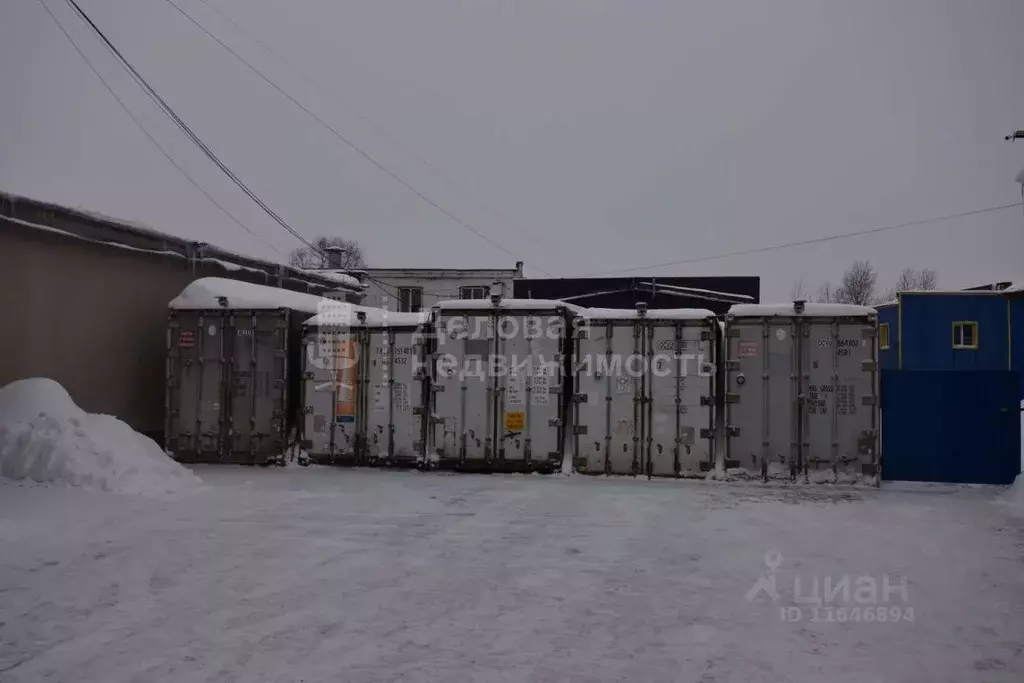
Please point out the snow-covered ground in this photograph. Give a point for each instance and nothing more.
(326, 574)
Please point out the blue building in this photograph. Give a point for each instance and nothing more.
(952, 330)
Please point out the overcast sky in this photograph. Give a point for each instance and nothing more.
(582, 135)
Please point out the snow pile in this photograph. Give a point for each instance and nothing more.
(1014, 495)
(45, 437)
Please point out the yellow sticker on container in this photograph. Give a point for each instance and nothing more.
(514, 422)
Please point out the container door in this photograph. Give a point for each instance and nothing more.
(840, 407)
(392, 427)
(680, 400)
(529, 380)
(608, 399)
(318, 382)
(195, 385)
(762, 394)
(257, 344)
(464, 402)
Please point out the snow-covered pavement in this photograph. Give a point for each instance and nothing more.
(354, 575)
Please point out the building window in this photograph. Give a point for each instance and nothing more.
(965, 335)
(410, 299)
(883, 336)
(473, 292)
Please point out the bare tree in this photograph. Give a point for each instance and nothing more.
(858, 285)
(799, 290)
(912, 280)
(348, 254)
(825, 295)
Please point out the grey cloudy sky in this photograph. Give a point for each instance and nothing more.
(606, 134)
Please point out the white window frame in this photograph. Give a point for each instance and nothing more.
(469, 292)
(958, 334)
(406, 297)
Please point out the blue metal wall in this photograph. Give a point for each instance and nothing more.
(925, 340)
(946, 426)
(1015, 311)
(889, 358)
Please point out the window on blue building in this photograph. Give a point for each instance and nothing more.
(883, 336)
(965, 335)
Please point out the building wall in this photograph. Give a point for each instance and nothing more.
(888, 358)
(92, 317)
(927, 331)
(437, 285)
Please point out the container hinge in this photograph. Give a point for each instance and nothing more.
(308, 410)
(420, 374)
(732, 431)
(732, 398)
(707, 400)
(868, 400)
(705, 335)
(868, 365)
(580, 398)
(308, 374)
(579, 429)
(417, 410)
(706, 433)
(437, 387)
(732, 365)
(582, 333)
(555, 422)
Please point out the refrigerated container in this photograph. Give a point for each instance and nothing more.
(801, 396)
(497, 395)
(364, 387)
(644, 395)
(232, 370)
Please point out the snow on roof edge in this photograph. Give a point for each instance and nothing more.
(347, 316)
(506, 304)
(810, 309)
(650, 314)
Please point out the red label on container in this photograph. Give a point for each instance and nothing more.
(747, 349)
(186, 338)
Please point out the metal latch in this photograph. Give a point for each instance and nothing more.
(580, 398)
(579, 429)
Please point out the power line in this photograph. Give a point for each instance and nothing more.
(345, 140)
(816, 240)
(380, 130)
(145, 132)
(166, 109)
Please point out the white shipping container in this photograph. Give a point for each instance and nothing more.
(497, 400)
(644, 392)
(802, 392)
(364, 389)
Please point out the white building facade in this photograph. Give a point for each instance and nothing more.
(410, 290)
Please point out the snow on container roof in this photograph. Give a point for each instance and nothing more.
(347, 315)
(506, 304)
(336, 276)
(207, 293)
(810, 309)
(651, 314)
